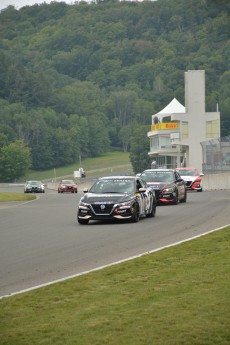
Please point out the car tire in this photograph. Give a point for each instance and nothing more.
(83, 221)
(200, 190)
(176, 199)
(185, 197)
(152, 213)
(135, 215)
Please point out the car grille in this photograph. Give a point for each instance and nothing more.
(102, 208)
(188, 183)
(157, 193)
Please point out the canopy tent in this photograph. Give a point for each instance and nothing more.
(174, 107)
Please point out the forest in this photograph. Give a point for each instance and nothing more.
(82, 79)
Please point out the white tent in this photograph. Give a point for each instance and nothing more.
(174, 107)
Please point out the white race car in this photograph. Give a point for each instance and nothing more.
(192, 178)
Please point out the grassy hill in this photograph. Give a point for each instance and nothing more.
(90, 165)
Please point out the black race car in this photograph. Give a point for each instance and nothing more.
(167, 184)
(117, 197)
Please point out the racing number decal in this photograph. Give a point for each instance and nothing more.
(148, 202)
(141, 202)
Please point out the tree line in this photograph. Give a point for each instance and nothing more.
(80, 79)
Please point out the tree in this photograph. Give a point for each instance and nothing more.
(15, 160)
(125, 135)
(139, 149)
(98, 135)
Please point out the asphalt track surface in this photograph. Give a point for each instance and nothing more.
(41, 241)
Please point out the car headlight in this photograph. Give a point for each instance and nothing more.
(198, 179)
(168, 190)
(126, 204)
(83, 204)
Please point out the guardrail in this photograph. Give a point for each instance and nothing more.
(209, 182)
(216, 181)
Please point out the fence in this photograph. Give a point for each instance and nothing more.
(216, 155)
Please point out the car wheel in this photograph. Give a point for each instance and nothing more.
(200, 190)
(83, 221)
(152, 213)
(176, 199)
(135, 214)
(185, 197)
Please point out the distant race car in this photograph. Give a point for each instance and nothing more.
(34, 187)
(67, 186)
(168, 185)
(118, 198)
(192, 178)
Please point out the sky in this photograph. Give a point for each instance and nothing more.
(20, 3)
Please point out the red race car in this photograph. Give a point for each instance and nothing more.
(67, 186)
(192, 178)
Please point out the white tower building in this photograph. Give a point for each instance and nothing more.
(175, 139)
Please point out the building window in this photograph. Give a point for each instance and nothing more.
(184, 130)
(212, 129)
(154, 143)
(165, 141)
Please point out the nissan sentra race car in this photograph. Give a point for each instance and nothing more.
(117, 197)
(192, 178)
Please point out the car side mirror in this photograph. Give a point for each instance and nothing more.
(141, 190)
(180, 180)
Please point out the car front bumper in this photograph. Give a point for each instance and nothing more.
(89, 213)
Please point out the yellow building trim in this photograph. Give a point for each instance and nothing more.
(165, 125)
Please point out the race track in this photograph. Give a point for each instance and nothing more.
(41, 241)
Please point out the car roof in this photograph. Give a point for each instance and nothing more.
(187, 168)
(67, 181)
(31, 181)
(125, 177)
(158, 170)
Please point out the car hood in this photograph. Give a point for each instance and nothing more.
(110, 198)
(189, 178)
(159, 185)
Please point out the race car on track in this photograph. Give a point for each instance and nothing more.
(168, 185)
(67, 186)
(34, 187)
(192, 178)
(117, 197)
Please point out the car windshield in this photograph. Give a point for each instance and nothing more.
(68, 182)
(192, 172)
(34, 183)
(113, 186)
(157, 176)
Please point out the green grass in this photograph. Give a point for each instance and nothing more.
(177, 296)
(5, 196)
(110, 159)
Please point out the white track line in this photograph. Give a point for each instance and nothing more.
(111, 264)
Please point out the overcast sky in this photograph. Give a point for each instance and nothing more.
(20, 3)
